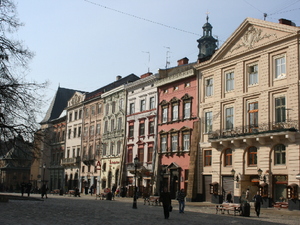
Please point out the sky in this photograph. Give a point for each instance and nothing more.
(85, 44)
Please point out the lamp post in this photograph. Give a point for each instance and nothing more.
(44, 167)
(135, 162)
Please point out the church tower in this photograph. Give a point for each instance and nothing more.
(207, 44)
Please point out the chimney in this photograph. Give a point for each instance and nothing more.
(285, 21)
(118, 77)
(145, 75)
(183, 61)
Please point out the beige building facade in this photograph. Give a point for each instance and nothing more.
(249, 110)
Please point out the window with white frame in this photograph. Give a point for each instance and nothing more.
(163, 143)
(280, 108)
(253, 115)
(279, 154)
(186, 141)
(112, 125)
(143, 105)
(165, 114)
(253, 74)
(119, 123)
(151, 127)
(209, 87)
(98, 129)
(93, 110)
(175, 112)
(152, 102)
(229, 81)
(280, 67)
(121, 103)
(112, 148)
(229, 118)
(187, 109)
(105, 126)
(208, 122)
(74, 132)
(142, 129)
(174, 142)
(131, 108)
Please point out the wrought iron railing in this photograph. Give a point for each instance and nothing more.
(271, 127)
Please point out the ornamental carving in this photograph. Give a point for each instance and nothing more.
(250, 38)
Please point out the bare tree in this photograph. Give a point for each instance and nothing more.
(20, 100)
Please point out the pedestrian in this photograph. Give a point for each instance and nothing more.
(92, 189)
(113, 191)
(44, 190)
(247, 195)
(28, 188)
(181, 200)
(23, 186)
(257, 200)
(165, 198)
(229, 197)
(77, 193)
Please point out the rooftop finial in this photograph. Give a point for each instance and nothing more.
(207, 16)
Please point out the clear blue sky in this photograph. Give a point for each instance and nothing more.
(84, 46)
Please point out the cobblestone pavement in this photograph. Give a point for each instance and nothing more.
(86, 210)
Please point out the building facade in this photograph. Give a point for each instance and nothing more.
(141, 134)
(249, 96)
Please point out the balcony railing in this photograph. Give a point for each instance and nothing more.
(263, 128)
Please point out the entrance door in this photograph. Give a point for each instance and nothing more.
(206, 191)
(228, 186)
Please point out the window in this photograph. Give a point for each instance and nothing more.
(187, 110)
(165, 115)
(105, 126)
(166, 91)
(119, 123)
(112, 125)
(74, 132)
(228, 157)
(209, 87)
(252, 156)
(163, 143)
(151, 127)
(70, 117)
(174, 142)
(279, 154)
(121, 103)
(152, 103)
(175, 112)
(175, 88)
(253, 74)
(73, 152)
(131, 131)
(75, 115)
(280, 109)
(104, 150)
(207, 158)
(79, 131)
(69, 133)
(150, 154)
(187, 84)
(86, 112)
(131, 108)
(280, 67)
(118, 147)
(143, 105)
(113, 107)
(229, 78)
(253, 115)
(99, 108)
(129, 155)
(98, 129)
(141, 154)
(92, 130)
(68, 153)
(80, 114)
(186, 142)
(229, 118)
(93, 111)
(208, 122)
(106, 109)
(85, 131)
(112, 148)
(78, 151)
(142, 129)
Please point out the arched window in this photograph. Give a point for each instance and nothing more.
(252, 156)
(228, 157)
(279, 154)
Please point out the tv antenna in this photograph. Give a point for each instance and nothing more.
(148, 60)
(167, 56)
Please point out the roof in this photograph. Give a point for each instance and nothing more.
(125, 80)
(58, 104)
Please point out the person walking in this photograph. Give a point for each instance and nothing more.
(257, 200)
(28, 188)
(23, 186)
(44, 190)
(181, 200)
(229, 197)
(165, 198)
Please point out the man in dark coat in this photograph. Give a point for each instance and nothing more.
(23, 186)
(257, 200)
(28, 188)
(44, 190)
(229, 197)
(181, 200)
(165, 198)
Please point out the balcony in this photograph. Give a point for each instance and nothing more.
(143, 169)
(70, 161)
(261, 133)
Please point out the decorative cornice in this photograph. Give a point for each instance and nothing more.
(175, 77)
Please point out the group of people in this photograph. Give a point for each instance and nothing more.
(26, 188)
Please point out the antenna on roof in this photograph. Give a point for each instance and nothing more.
(148, 60)
(167, 56)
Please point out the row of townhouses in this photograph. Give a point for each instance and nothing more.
(225, 123)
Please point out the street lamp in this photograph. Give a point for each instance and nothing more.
(44, 167)
(135, 162)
